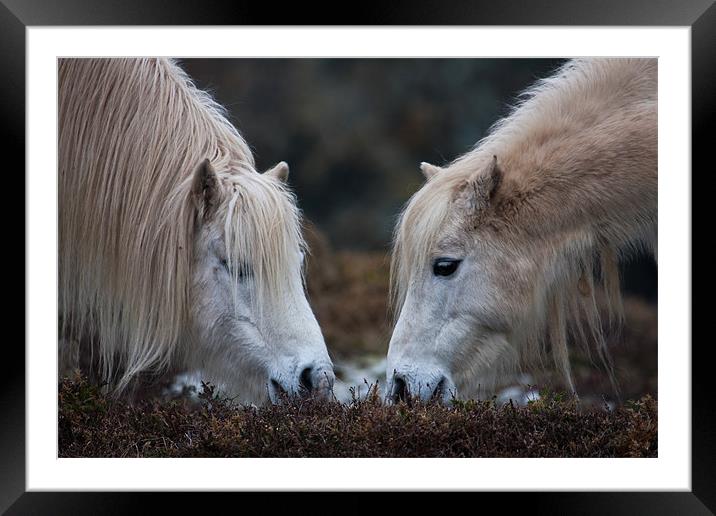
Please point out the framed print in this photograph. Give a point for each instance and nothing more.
(417, 252)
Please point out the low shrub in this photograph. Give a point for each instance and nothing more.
(94, 425)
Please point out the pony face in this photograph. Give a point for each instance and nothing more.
(255, 331)
(459, 287)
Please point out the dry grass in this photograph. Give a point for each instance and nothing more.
(91, 425)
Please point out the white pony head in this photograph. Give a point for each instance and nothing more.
(457, 285)
(495, 257)
(248, 308)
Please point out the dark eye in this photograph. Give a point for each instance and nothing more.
(445, 266)
(225, 265)
(242, 271)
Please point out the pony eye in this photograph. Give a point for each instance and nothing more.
(225, 265)
(445, 266)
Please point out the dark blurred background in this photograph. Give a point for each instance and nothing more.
(354, 132)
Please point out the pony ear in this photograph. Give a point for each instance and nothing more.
(205, 187)
(429, 170)
(476, 192)
(279, 171)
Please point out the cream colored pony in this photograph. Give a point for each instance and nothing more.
(174, 252)
(496, 256)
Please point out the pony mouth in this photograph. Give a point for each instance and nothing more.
(278, 391)
(320, 388)
(440, 390)
(402, 393)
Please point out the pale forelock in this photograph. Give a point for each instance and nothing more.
(263, 237)
(418, 230)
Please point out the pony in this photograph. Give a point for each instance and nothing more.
(174, 252)
(503, 253)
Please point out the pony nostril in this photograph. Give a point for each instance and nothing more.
(400, 389)
(305, 381)
(316, 381)
(439, 388)
(278, 390)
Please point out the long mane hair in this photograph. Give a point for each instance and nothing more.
(132, 132)
(575, 146)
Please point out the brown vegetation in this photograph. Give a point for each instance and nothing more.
(92, 425)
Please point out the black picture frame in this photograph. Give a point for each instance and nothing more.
(17, 15)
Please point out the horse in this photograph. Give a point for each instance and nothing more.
(174, 252)
(499, 258)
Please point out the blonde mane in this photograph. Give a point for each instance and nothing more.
(557, 150)
(132, 132)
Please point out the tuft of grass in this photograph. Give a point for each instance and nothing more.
(93, 425)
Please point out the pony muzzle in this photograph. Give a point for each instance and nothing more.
(435, 387)
(310, 381)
